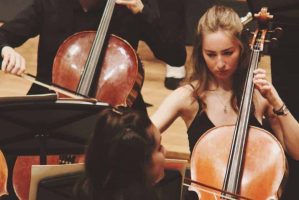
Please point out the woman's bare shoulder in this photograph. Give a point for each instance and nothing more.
(184, 92)
(185, 96)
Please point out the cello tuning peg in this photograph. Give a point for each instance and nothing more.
(269, 45)
(278, 32)
(273, 43)
(246, 31)
(274, 40)
(246, 34)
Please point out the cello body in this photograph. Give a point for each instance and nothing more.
(22, 171)
(264, 163)
(119, 80)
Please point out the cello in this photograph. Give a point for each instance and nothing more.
(3, 175)
(240, 160)
(93, 67)
(76, 65)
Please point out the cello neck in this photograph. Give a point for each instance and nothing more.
(235, 160)
(232, 177)
(92, 62)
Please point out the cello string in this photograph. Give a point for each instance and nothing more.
(96, 49)
(235, 139)
(102, 29)
(232, 176)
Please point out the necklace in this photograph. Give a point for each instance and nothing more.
(225, 105)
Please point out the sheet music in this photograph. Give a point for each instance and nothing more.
(39, 172)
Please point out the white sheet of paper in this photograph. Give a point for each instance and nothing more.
(39, 172)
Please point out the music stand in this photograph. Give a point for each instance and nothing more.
(43, 125)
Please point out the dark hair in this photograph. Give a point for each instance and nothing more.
(118, 152)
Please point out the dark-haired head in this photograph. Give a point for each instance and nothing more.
(121, 150)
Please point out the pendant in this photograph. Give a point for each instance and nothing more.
(225, 110)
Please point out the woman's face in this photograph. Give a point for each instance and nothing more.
(221, 54)
(156, 165)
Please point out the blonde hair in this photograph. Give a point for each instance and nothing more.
(217, 18)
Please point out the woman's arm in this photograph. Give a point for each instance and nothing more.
(286, 128)
(174, 106)
(14, 33)
(284, 125)
(24, 26)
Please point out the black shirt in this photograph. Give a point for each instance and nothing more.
(55, 20)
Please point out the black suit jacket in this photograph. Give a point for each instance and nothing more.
(55, 20)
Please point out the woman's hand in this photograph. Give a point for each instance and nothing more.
(136, 6)
(12, 62)
(266, 88)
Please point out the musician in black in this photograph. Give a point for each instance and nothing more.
(212, 96)
(54, 21)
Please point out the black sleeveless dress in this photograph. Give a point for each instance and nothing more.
(201, 123)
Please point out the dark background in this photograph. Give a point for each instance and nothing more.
(194, 9)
